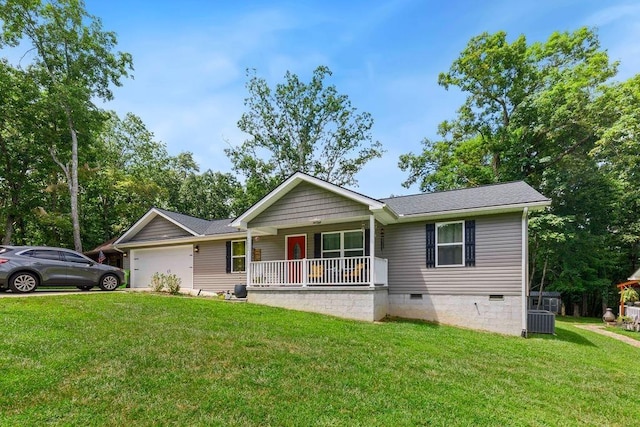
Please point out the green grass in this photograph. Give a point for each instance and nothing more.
(140, 359)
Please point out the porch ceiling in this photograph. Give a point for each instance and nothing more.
(273, 229)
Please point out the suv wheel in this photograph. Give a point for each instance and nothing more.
(23, 282)
(109, 282)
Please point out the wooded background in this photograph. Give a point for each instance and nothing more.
(551, 114)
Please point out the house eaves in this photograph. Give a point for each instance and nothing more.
(487, 210)
(146, 219)
(295, 179)
(183, 240)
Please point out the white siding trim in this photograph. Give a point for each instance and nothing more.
(461, 244)
(525, 268)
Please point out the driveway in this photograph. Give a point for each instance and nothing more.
(49, 292)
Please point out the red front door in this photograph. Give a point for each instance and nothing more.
(296, 249)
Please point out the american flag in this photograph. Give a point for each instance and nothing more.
(101, 257)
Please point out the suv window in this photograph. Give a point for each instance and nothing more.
(71, 257)
(44, 254)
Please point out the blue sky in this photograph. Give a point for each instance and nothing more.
(190, 59)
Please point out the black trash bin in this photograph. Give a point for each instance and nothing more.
(240, 291)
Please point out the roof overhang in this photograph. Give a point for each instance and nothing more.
(489, 210)
(183, 240)
(146, 219)
(381, 211)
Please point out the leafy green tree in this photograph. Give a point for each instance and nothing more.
(617, 151)
(21, 165)
(210, 195)
(301, 127)
(75, 63)
(125, 179)
(528, 107)
(536, 112)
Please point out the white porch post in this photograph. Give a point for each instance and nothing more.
(248, 251)
(372, 250)
(305, 273)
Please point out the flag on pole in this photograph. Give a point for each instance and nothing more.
(101, 257)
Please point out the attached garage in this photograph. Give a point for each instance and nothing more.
(176, 260)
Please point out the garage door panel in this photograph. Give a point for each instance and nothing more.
(176, 260)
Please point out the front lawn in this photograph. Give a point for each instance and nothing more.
(141, 359)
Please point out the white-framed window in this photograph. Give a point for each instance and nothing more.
(450, 244)
(238, 253)
(343, 244)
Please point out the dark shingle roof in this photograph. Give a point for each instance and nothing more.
(219, 226)
(495, 195)
(198, 225)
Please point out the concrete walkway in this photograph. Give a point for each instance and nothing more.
(601, 329)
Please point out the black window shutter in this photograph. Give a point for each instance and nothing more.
(470, 243)
(317, 245)
(228, 257)
(367, 242)
(431, 245)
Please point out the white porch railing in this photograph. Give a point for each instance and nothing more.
(351, 271)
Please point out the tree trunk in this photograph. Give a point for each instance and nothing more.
(8, 230)
(73, 188)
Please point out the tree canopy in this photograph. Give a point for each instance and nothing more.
(547, 113)
(73, 63)
(299, 126)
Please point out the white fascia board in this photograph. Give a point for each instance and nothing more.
(290, 183)
(184, 227)
(183, 240)
(474, 211)
(146, 219)
(135, 228)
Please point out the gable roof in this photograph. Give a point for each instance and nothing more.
(197, 227)
(488, 199)
(189, 223)
(374, 205)
(503, 196)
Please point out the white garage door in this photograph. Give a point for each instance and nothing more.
(176, 260)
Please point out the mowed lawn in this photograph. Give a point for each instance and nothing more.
(142, 359)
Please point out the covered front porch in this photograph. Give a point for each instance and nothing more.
(311, 246)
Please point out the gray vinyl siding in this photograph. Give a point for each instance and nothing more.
(210, 268)
(159, 229)
(498, 260)
(304, 203)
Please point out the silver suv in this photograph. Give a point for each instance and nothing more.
(24, 268)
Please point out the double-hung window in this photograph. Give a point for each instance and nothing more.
(343, 244)
(238, 259)
(450, 244)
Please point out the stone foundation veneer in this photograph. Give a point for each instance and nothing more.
(469, 311)
(359, 303)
